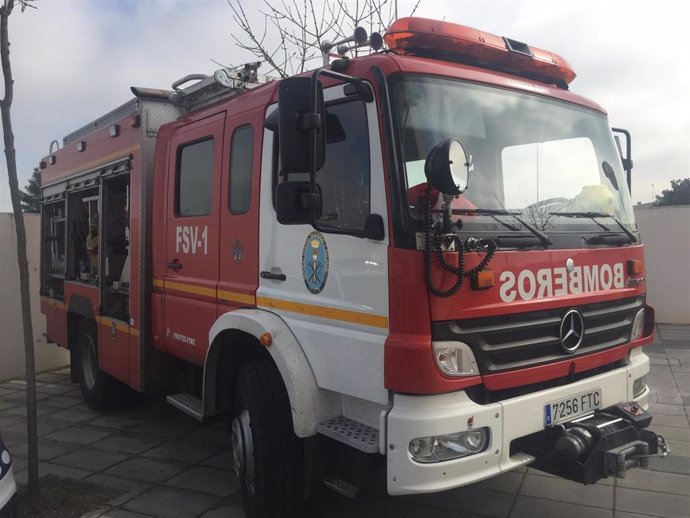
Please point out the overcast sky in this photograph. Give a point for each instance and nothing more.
(74, 60)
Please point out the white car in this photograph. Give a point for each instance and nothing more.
(8, 487)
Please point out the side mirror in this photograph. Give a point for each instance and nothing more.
(373, 227)
(302, 130)
(447, 168)
(627, 158)
(295, 203)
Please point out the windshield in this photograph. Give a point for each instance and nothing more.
(527, 154)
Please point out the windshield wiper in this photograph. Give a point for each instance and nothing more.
(541, 236)
(594, 215)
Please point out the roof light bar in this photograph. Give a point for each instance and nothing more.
(453, 42)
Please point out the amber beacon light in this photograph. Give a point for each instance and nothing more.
(454, 42)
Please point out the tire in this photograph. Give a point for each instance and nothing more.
(96, 385)
(268, 455)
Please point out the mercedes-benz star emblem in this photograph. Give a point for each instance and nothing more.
(569, 264)
(572, 331)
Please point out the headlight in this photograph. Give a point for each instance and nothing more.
(455, 358)
(638, 326)
(451, 446)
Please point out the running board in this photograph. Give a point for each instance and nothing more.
(341, 486)
(188, 404)
(350, 432)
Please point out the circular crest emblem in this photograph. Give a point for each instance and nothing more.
(315, 262)
(572, 331)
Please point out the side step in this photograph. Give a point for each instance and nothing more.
(188, 404)
(350, 432)
(341, 486)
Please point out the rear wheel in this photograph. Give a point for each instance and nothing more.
(96, 385)
(267, 453)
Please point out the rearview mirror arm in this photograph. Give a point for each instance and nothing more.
(313, 123)
(627, 160)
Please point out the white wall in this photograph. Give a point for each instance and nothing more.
(666, 235)
(48, 356)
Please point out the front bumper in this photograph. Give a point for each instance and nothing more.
(508, 420)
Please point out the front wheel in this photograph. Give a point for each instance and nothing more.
(96, 385)
(267, 453)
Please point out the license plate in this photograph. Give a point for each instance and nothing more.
(570, 407)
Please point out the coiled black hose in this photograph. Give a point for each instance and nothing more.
(432, 245)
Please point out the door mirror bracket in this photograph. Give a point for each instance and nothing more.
(302, 138)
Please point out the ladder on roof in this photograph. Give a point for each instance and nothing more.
(224, 82)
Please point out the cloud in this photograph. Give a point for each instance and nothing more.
(630, 57)
(74, 60)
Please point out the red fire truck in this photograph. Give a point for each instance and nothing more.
(424, 259)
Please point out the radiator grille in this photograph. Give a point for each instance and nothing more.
(528, 339)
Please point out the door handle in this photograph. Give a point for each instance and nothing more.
(273, 276)
(175, 265)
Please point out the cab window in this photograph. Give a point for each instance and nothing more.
(241, 151)
(194, 179)
(344, 180)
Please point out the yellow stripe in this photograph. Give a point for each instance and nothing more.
(234, 296)
(191, 288)
(355, 317)
(53, 302)
(123, 328)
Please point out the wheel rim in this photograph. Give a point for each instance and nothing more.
(243, 450)
(88, 363)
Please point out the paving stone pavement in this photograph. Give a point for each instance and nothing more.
(169, 465)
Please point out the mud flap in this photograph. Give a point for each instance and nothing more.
(605, 443)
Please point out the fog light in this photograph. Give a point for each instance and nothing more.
(639, 385)
(451, 446)
(455, 358)
(638, 326)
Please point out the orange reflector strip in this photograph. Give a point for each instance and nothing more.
(266, 339)
(483, 280)
(634, 267)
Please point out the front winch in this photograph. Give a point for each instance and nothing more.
(605, 443)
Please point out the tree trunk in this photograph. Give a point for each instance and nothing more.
(25, 297)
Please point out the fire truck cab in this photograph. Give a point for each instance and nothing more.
(425, 256)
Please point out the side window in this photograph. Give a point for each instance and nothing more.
(344, 179)
(241, 150)
(194, 179)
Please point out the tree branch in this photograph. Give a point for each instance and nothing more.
(300, 27)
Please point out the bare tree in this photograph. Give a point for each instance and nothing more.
(5, 110)
(292, 32)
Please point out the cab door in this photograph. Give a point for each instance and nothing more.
(328, 281)
(239, 212)
(192, 228)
